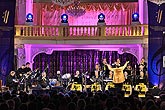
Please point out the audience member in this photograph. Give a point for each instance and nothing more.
(73, 100)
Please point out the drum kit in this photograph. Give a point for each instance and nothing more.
(63, 81)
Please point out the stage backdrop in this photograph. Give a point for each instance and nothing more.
(7, 15)
(156, 42)
(79, 59)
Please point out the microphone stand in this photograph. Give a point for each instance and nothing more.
(24, 80)
(85, 81)
(135, 77)
(103, 73)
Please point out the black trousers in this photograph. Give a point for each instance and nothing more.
(118, 86)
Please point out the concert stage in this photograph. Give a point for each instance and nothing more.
(126, 90)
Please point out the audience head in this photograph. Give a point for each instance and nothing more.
(11, 104)
(71, 106)
(81, 104)
(4, 106)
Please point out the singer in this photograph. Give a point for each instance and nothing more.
(118, 77)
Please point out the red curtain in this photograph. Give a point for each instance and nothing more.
(115, 13)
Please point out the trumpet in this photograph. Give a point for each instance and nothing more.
(44, 78)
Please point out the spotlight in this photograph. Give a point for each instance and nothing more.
(29, 17)
(101, 18)
(135, 17)
(64, 18)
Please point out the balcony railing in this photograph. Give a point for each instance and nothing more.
(81, 32)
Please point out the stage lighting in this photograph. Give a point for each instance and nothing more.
(29, 17)
(135, 17)
(101, 18)
(64, 18)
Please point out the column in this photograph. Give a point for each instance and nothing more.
(141, 51)
(29, 6)
(28, 54)
(143, 11)
(145, 51)
(20, 55)
(21, 11)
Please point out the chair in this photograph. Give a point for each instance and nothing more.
(3, 88)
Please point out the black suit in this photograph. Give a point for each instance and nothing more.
(93, 77)
(93, 74)
(20, 71)
(78, 79)
(144, 67)
(43, 82)
(27, 69)
(10, 83)
(105, 70)
(144, 70)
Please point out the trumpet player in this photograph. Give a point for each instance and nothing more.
(105, 68)
(43, 80)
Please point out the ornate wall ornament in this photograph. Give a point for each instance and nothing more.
(17, 46)
(158, 2)
(134, 51)
(63, 2)
(36, 51)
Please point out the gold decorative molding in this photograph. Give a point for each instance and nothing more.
(107, 32)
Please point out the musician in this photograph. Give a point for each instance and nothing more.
(95, 75)
(27, 67)
(118, 77)
(35, 73)
(32, 79)
(43, 80)
(78, 77)
(21, 71)
(12, 81)
(105, 68)
(58, 78)
(142, 70)
(128, 74)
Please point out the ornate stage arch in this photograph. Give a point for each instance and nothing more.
(69, 58)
